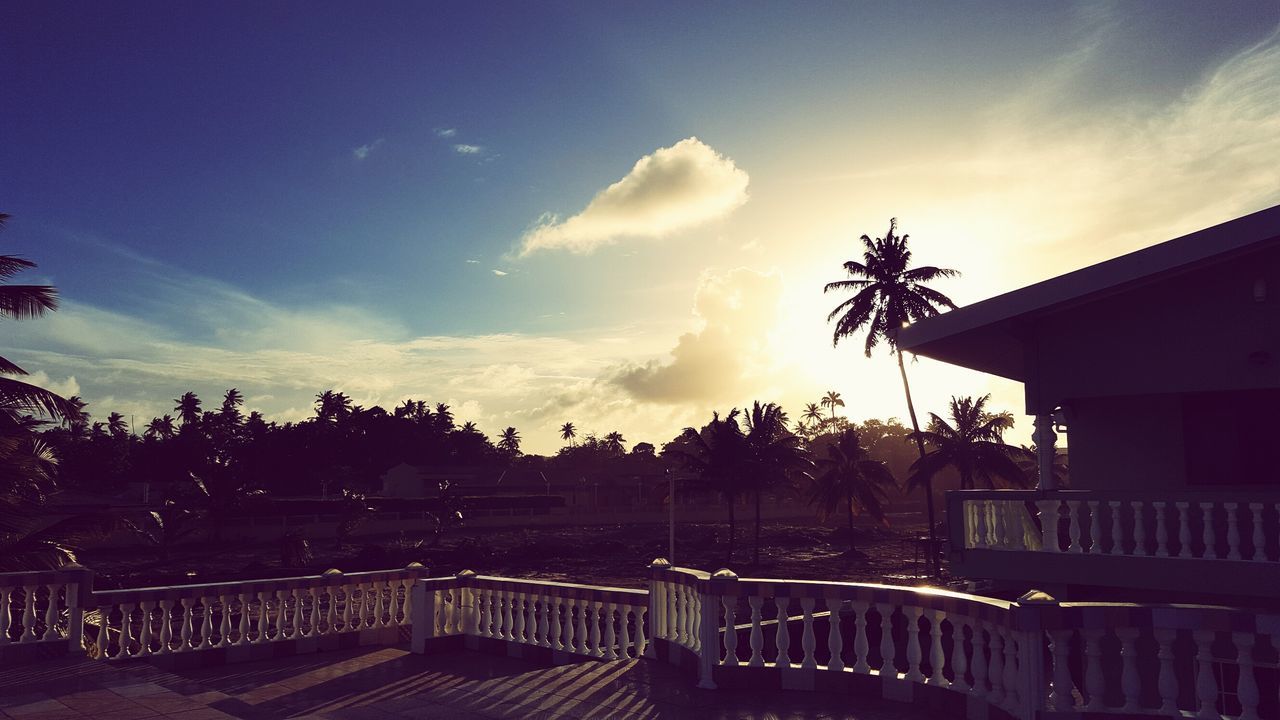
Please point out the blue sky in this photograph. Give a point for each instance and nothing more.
(288, 197)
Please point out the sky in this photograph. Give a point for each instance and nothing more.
(619, 215)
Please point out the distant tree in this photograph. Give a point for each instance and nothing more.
(772, 455)
(848, 479)
(332, 406)
(813, 413)
(117, 426)
(643, 448)
(469, 427)
(160, 428)
(77, 417)
(443, 419)
(715, 453)
(510, 442)
(832, 400)
(188, 409)
(614, 442)
(889, 294)
(230, 412)
(1027, 461)
(568, 432)
(972, 444)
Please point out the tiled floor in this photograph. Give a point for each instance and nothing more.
(391, 683)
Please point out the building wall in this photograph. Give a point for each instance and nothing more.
(1127, 443)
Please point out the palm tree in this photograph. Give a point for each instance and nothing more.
(972, 444)
(117, 426)
(188, 408)
(832, 400)
(613, 442)
(21, 302)
(813, 413)
(332, 406)
(160, 428)
(889, 294)
(509, 442)
(230, 411)
(568, 432)
(715, 453)
(443, 419)
(469, 427)
(848, 479)
(772, 454)
(76, 417)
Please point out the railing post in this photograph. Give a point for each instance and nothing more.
(709, 607)
(657, 605)
(466, 610)
(76, 602)
(424, 616)
(1029, 632)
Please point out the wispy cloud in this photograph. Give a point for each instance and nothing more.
(465, 149)
(446, 132)
(473, 262)
(672, 189)
(500, 273)
(363, 151)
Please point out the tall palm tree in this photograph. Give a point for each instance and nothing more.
(614, 442)
(230, 412)
(813, 413)
(76, 417)
(848, 479)
(715, 453)
(161, 428)
(832, 400)
(469, 427)
(773, 454)
(972, 444)
(188, 408)
(117, 426)
(509, 442)
(889, 294)
(22, 302)
(443, 419)
(568, 432)
(332, 406)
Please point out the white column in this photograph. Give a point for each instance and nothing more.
(1045, 439)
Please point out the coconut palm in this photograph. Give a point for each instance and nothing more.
(889, 294)
(772, 455)
(568, 432)
(848, 480)
(972, 444)
(161, 428)
(332, 406)
(443, 419)
(188, 408)
(832, 400)
(509, 442)
(230, 412)
(813, 413)
(715, 453)
(614, 442)
(76, 417)
(117, 426)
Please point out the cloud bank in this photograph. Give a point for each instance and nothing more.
(672, 189)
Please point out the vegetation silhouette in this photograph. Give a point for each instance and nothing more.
(849, 480)
(972, 443)
(888, 295)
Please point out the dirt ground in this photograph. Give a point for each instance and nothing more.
(613, 555)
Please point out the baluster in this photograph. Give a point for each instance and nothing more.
(379, 607)
(6, 595)
(995, 668)
(1073, 526)
(144, 637)
(642, 642)
(835, 643)
(1013, 525)
(298, 594)
(624, 632)
(283, 616)
(1012, 693)
(595, 608)
(958, 663)
(1139, 529)
(263, 618)
(581, 634)
(861, 647)
(557, 639)
(531, 620)
(362, 616)
(1259, 540)
(913, 615)
(936, 656)
(126, 630)
(610, 636)
(1095, 527)
(673, 609)
(28, 614)
(730, 604)
(346, 606)
(1130, 683)
(808, 643)
(166, 627)
(978, 516)
(51, 614)
(1094, 681)
(224, 626)
(243, 639)
(1206, 683)
(496, 602)
(1062, 697)
(695, 620)
(1117, 530)
(543, 625)
(1000, 538)
(1167, 682)
(888, 652)
(1209, 538)
(518, 614)
(188, 627)
(1233, 531)
(1049, 525)
(1162, 533)
(757, 635)
(1184, 531)
(979, 664)
(104, 619)
(782, 637)
(1246, 684)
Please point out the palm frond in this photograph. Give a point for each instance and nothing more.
(27, 301)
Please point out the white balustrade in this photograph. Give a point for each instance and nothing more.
(43, 608)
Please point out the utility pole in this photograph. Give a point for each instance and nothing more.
(671, 516)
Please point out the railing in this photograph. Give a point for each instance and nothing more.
(138, 623)
(42, 609)
(1209, 526)
(599, 622)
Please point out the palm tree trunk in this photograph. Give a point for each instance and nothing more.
(756, 553)
(852, 543)
(731, 528)
(928, 483)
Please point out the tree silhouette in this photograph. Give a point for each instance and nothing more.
(889, 294)
(832, 400)
(510, 442)
(848, 479)
(117, 426)
(230, 411)
(188, 409)
(160, 428)
(614, 443)
(772, 455)
(972, 444)
(715, 453)
(568, 432)
(813, 413)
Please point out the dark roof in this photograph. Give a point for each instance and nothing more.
(981, 336)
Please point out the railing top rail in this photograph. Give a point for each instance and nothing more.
(1101, 615)
(560, 589)
(1240, 495)
(927, 597)
(43, 577)
(255, 586)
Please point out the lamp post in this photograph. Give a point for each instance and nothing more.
(671, 516)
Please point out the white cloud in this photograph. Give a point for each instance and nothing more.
(672, 189)
(65, 387)
(500, 273)
(446, 132)
(363, 151)
(465, 149)
(473, 262)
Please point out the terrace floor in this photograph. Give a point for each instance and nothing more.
(391, 683)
